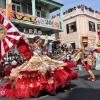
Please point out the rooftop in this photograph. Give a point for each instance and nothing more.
(81, 6)
(57, 2)
(53, 5)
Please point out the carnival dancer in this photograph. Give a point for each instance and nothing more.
(90, 63)
(38, 45)
(37, 74)
(77, 57)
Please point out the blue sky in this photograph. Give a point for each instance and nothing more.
(95, 4)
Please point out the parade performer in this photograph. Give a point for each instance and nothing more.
(77, 57)
(90, 63)
(38, 73)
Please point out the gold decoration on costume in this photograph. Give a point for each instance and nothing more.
(3, 32)
(37, 63)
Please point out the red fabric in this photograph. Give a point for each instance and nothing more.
(8, 26)
(8, 71)
(79, 62)
(98, 50)
(23, 92)
(51, 85)
(88, 67)
(0, 53)
(6, 47)
(65, 60)
(1, 19)
(68, 70)
(22, 88)
(70, 64)
(36, 87)
(11, 40)
(13, 33)
(47, 51)
(28, 55)
(43, 81)
(73, 75)
(23, 48)
(10, 93)
(62, 76)
(2, 91)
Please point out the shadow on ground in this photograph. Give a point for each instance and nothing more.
(83, 94)
(59, 90)
(86, 76)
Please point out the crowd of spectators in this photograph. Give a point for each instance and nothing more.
(11, 60)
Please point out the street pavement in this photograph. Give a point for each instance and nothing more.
(80, 89)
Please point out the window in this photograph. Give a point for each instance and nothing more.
(98, 26)
(26, 8)
(16, 1)
(16, 8)
(43, 14)
(73, 45)
(91, 26)
(3, 4)
(13, 8)
(38, 13)
(71, 27)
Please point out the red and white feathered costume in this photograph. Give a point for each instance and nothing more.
(39, 73)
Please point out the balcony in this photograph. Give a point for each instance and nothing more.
(37, 22)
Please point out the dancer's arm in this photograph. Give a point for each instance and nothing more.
(53, 60)
(46, 40)
(76, 52)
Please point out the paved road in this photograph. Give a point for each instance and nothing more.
(80, 89)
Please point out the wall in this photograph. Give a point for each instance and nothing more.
(71, 37)
(2, 3)
(82, 19)
(92, 35)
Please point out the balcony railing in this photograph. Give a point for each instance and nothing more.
(34, 20)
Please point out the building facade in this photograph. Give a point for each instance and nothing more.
(81, 24)
(32, 17)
